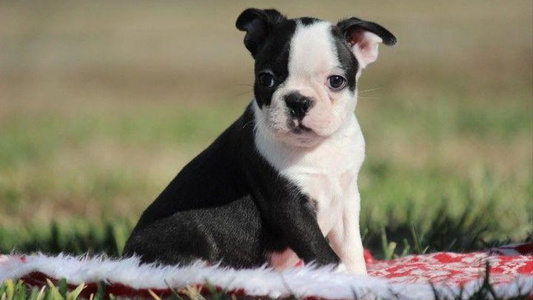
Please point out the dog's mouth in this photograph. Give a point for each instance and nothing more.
(296, 127)
(295, 133)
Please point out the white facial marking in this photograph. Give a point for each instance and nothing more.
(324, 163)
(312, 59)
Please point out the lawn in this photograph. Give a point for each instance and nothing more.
(102, 103)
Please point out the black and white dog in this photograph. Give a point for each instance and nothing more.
(283, 177)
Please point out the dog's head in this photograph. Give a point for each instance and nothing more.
(306, 71)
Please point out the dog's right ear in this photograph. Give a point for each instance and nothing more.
(364, 38)
(258, 25)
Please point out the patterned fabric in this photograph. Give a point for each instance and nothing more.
(412, 277)
(504, 265)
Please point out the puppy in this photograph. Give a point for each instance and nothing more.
(283, 176)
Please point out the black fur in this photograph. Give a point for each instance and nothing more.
(388, 38)
(229, 204)
(274, 59)
(259, 25)
(346, 58)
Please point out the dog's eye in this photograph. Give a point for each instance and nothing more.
(336, 82)
(267, 80)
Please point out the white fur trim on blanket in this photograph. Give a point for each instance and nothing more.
(299, 282)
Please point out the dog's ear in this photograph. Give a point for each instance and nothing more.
(364, 38)
(258, 24)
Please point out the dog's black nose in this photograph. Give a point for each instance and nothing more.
(298, 105)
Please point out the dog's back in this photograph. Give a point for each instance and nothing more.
(207, 211)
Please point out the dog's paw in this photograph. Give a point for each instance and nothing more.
(358, 269)
(341, 268)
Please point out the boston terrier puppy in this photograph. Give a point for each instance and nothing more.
(282, 179)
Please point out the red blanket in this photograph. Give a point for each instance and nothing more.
(443, 274)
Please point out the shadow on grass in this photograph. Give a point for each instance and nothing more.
(106, 238)
(445, 232)
(463, 233)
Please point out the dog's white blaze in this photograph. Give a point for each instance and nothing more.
(313, 58)
(326, 171)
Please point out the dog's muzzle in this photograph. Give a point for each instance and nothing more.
(298, 105)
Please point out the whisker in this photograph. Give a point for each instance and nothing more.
(247, 123)
(245, 84)
(370, 90)
(367, 98)
(241, 94)
(248, 91)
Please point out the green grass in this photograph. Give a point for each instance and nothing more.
(11, 290)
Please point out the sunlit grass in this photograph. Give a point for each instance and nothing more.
(102, 103)
(99, 111)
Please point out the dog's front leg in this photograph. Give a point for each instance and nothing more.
(287, 212)
(345, 237)
(296, 220)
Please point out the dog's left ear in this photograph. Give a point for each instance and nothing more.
(364, 38)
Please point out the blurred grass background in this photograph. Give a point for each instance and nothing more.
(102, 103)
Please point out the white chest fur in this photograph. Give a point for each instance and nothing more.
(326, 173)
